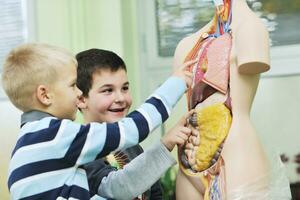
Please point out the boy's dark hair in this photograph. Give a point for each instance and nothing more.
(92, 60)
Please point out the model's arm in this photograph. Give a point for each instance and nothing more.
(251, 41)
(138, 175)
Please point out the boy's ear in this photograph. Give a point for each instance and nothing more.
(43, 95)
(82, 102)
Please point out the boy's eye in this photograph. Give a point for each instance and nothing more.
(125, 88)
(107, 90)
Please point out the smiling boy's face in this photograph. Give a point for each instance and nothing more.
(109, 99)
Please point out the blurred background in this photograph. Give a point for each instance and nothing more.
(145, 33)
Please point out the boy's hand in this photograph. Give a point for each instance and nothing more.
(183, 73)
(179, 134)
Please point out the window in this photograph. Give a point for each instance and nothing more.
(178, 18)
(173, 20)
(13, 28)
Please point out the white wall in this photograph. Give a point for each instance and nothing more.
(276, 116)
(9, 127)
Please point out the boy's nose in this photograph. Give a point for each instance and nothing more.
(119, 97)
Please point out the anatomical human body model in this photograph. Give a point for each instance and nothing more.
(232, 50)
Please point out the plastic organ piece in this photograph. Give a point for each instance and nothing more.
(214, 123)
(218, 54)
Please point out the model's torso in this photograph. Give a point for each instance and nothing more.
(241, 89)
(241, 151)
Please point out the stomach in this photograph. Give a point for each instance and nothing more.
(213, 121)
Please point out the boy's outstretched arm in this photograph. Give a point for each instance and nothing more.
(138, 175)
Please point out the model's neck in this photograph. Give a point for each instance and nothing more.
(240, 12)
(240, 6)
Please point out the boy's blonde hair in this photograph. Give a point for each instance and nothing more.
(30, 65)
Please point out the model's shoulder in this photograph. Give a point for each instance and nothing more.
(183, 48)
(186, 44)
(190, 40)
(253, 23)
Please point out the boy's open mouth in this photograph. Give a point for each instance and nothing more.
(117, 110)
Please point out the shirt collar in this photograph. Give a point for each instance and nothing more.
(33, 115)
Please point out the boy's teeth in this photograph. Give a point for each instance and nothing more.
(117, 110)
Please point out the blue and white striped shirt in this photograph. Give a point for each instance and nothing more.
(46, 159)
